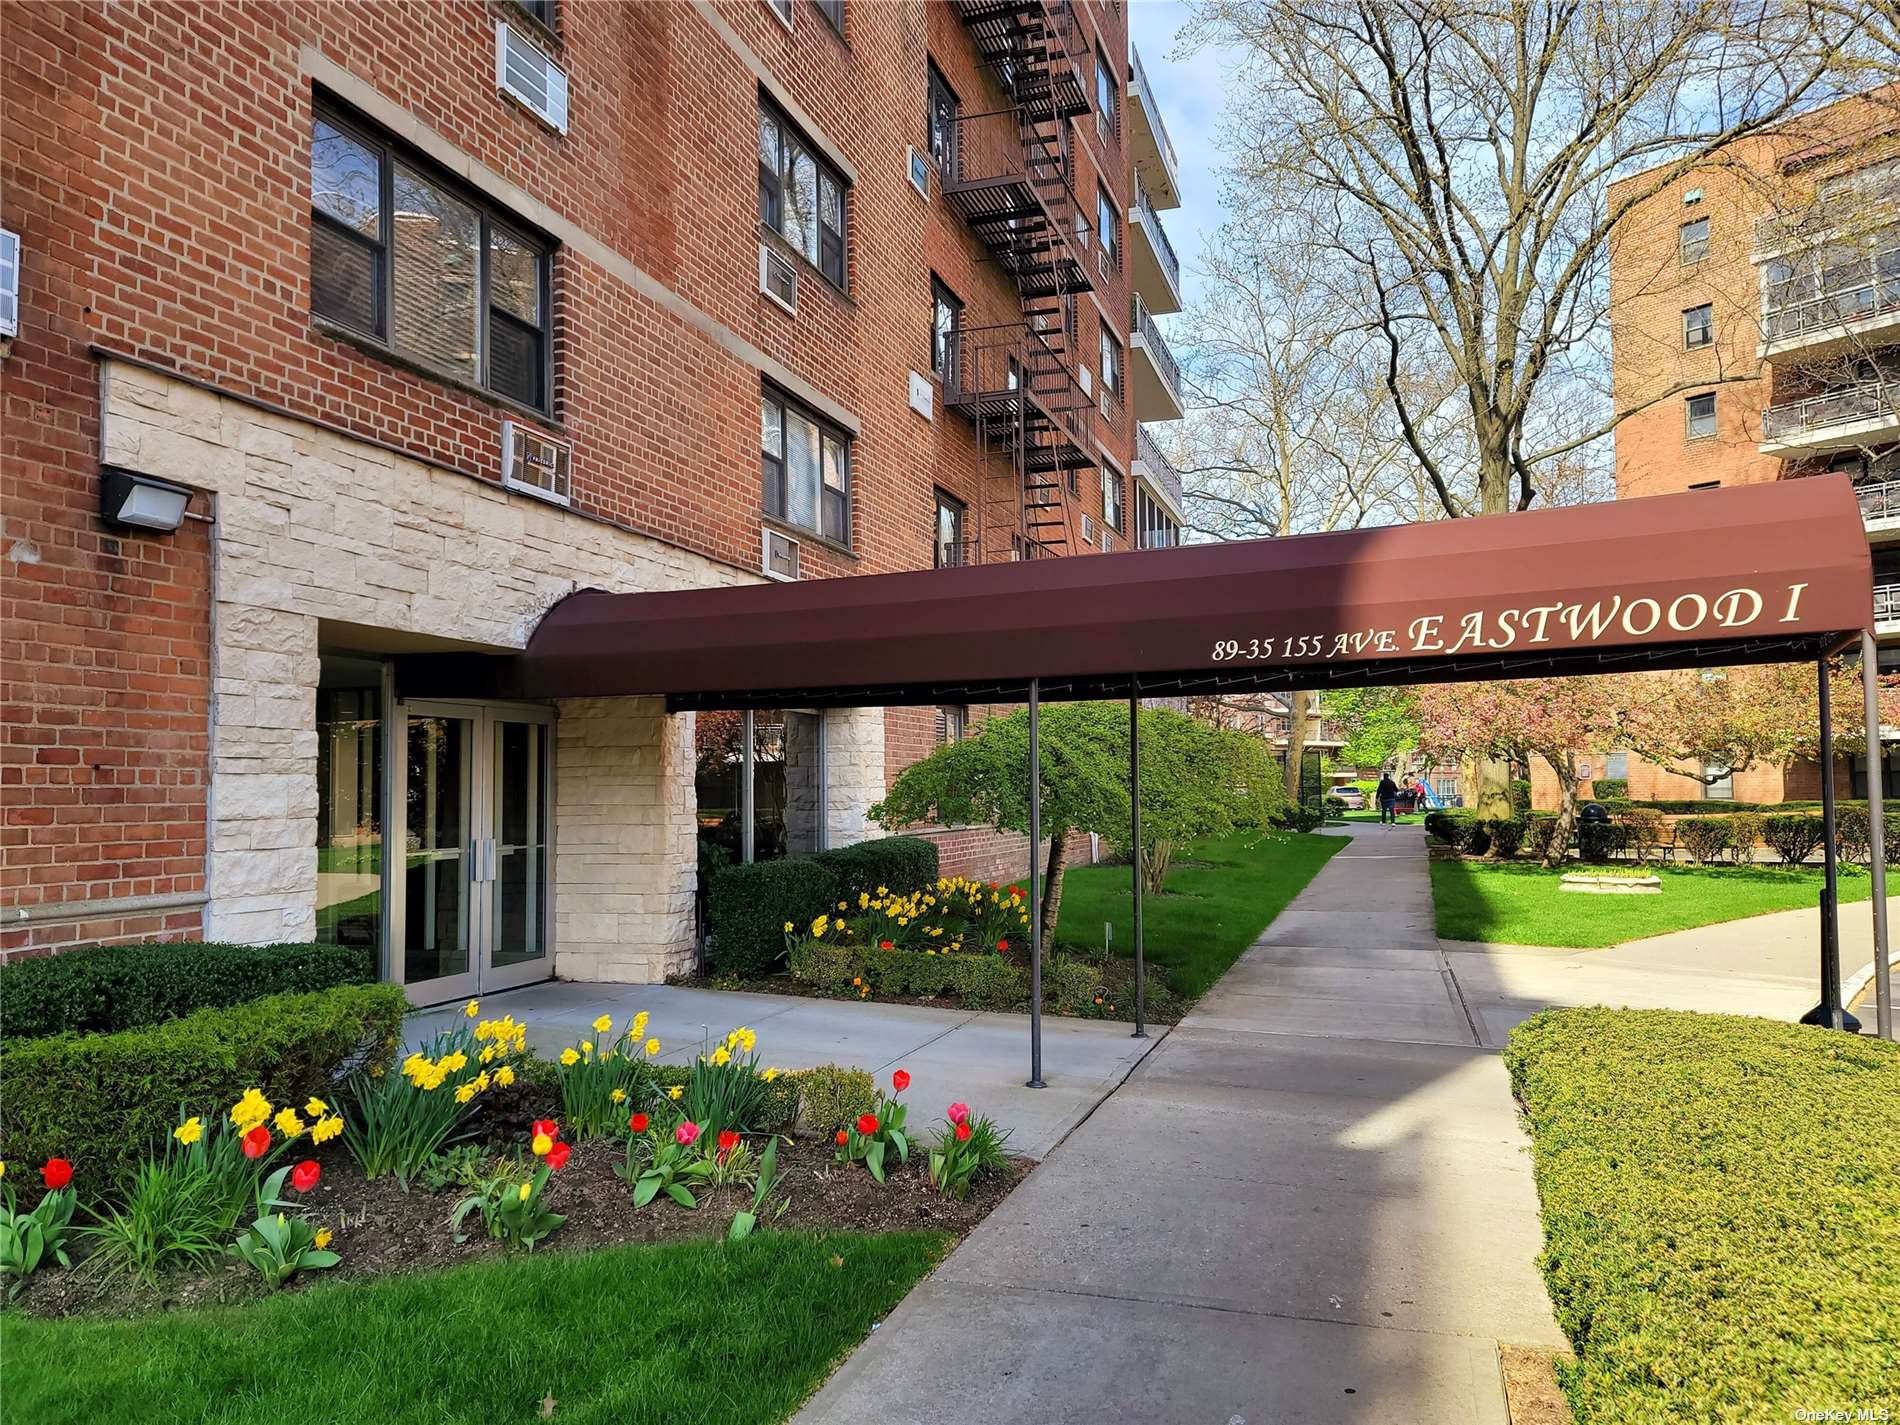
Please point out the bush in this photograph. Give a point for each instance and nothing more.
(1642, 830)
(1069, 986)
(1294, 817)
(1335, 806)
(1506, 836)
(1794, 838)
(1695, 1241)
(900, 863)
(980, 981)
(1853, 834)
(1538, 832)
(834, 1096)
(106, 1100)
(1600, 840)
(1461, 828)
(1705, 837)
(748, 906)
(1521, 798)
(1746, 829)
(112, 987)
(1611, 789)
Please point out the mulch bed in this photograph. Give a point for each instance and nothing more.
(380, 1229)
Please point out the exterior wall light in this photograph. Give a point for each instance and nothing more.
(136, 501)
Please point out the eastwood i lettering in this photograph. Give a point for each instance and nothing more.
(1615, 619)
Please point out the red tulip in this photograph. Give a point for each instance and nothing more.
(255, 1142)
(686, 1133)
(901, 1080)
(867, 1124)
(304, 1176)
(728, 1140)
(557, 1156)
(963, 1132)
(638, 1123)
(1002, 945)
(842, 1135)
(57, 1172)
(957, 1112)
(544, 1126)
(885, 945)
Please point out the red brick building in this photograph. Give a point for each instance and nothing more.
(432, 315)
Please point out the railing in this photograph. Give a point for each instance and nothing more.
(1858, 209)
(1152, 221)
(1879, 501)
(956, 553)
(1886, 603)
(1161, 471)
(1139, 81)
(1143, 325)
(1862, 285)
(1002, 363)
(1859, 402)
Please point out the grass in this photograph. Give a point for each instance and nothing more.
(1371, 814)
(698, 1331)
(1721, 1212)
(1220, 895)
(1519, 903)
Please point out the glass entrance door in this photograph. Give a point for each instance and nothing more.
(472, 907)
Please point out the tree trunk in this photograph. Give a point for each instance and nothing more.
(1566, 831)
(1052, 885)
(1299, 707)
(1154, 865)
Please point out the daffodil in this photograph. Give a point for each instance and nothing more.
(190, 1131)
(453, 1062)
(652, 1047)
(316, 1107)
(569, 1058)
(587, 1046)
(504, 1076)
(788, 927)
(326, 1128)
(250, 1110)
(322, 1239)
(674, 1092)
(639, 1025)
(618, 1095)
(769, 1075)
(603, 1024)
(720, 1056)
(465, 1093)
(471, 1009)
(288, 1123)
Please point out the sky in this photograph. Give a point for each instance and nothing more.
(1189, 91)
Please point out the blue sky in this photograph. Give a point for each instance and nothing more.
(1190, 92)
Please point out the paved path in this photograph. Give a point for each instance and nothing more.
(981, 1059)
(1311, 1203)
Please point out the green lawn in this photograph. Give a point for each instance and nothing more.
(1518, 903)
(1220, 895)
(699, 1332)
(1721, 1209)
(1410, 818)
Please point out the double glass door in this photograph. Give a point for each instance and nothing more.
(471, 911)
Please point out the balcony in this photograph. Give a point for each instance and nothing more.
(1856, 208)
(1880, 510)
(1036, 49)
(1825, 302)
(1866, 412)
(1148, 140)
(1012, 188)
(1886, 608)
(1157, 380)
(1159, 472)
(1009, 379)
(1156, 271)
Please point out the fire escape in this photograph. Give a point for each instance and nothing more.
(1010, 181)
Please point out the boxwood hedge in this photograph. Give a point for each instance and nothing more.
(111, 987)
(1712, 1188)
(979, 981)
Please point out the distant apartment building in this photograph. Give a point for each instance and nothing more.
(336, 334)
(1755, 333)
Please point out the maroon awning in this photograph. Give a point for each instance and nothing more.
(1757, 573)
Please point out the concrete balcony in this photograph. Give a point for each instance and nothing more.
(1880, 510)
(1148, 141)
(1886, 609)
(1835, 301)
(1154, 467)
(1867, 413)
(1156, 271)
(1156, 379)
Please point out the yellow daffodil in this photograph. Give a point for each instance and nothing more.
(316, 1107)
(639, 1025)
(618, 1095)
(652, 1047)
(479, 1083)
(587, 1046)
(541, 1144)
(674, 1092)
(769, 1075)
(471, 1009)
(326, 1128)
(454, 1061)
(820, 926)
(465, 1093)
(864, 900)
(603, 1024)
(250, 1110)
(190, 1131)
(504, 1076)
(525, 1190)
(788, 927)
(569, 1058)
(288, 1123)
(3, 1169)
(414, 1064)
(720, 1056)
(322, 1239)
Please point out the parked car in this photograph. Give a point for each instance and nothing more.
(1354, 799)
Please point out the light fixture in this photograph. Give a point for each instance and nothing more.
(139, 501)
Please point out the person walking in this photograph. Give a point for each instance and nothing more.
(1388, 799)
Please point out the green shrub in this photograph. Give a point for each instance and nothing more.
(1521, 798)
(1600, 840)
(900, 863)
(748, 906)
(112, 987)
(106, 1100)
(834, 1096)
(1460, 827)
(1298, 818)
(1069, 985)
(1705, 837)
(1538, 833)
(1334, 806)
(1611, 789)
(1745, 828)
(1708, 1195)
(1853, 834)
(1794, 838)
(1507, 836)
(980, 981)
(1642, 830)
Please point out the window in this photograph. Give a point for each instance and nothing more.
(1698, 326)
(1718, 782)
(1692, 241)
(953, 724)
(1701, 412)
(1155, 528)
(783, 9)
(950, 551)
(946, 317)
(806, 468)
(1112, 498)
(1111, 365)
(940, 120)
(1107, 227)
(1616, 766)
(833, 11)
(801, 196)
(1107, 106)
(416, 263)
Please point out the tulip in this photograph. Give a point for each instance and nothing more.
(901, 1080)
(867, 1124)
(304, 1176)
(638, 1123)
(255, 1142)
(57, 1173)
(557, 1156)
(842, 1136)
(957, 1112)
(686, 1133)
(728, 1140)
(544, 1127)
(963, 1132)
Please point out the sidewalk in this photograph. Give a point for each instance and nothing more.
(980, 1059)
(1311, 1202)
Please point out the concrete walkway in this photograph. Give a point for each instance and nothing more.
(980, 1059)
(1311, 1203)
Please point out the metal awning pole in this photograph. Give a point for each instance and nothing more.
(1134, 847)
(1877, 833)
(745, 787)
(1035, 888)
(1829, 1010)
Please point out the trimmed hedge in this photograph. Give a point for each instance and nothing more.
(112, 987)
(901, 863)
(1612, 789)
(1794, 838)
(104, 1100)
(979, 981)
(1710, 1186)
(834, 1096)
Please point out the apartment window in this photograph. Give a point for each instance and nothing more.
(1701, 415)
(1111, 365)
(542, 10)
(941, 120)
(946, 317)
(1616, 766)
(1107, 102)
(1692, 241)
(833, 11)
(783, 9)
(1718, 782)
(953, 724)
(806, 466)
(801, 196)
(1698, 326)
(1155, 528)
(413, 261)
(1108, 229)
(949, 552)
(1112, 498)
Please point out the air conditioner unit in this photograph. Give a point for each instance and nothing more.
(778, 279)
(778, 556)
(1101, 261)
(1108, 404)
(534, 463)
(9, 284)
(528, 76)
